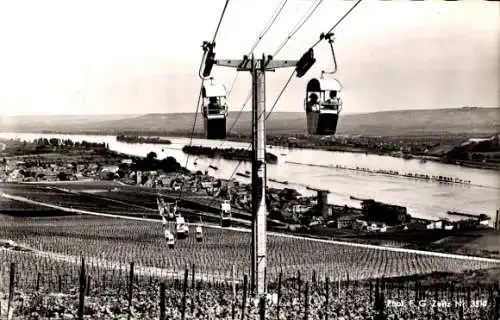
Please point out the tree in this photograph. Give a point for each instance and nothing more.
(169, 164)
(121, 173)
(151, 156)
(62, 176)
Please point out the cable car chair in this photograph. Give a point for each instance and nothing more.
(322, 102)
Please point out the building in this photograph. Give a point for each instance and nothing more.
(497, 221)
(111, 168)
(322, 207)
(440, 225)
(347, 220)
(382, 212)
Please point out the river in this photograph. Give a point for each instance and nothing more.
(425, 199)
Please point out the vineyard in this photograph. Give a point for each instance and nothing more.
(43, 256)
(119, 241)
(56, 286)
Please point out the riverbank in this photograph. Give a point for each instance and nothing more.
(406, 147)
(139, 139)
(418, 176)
(431, 202)
(227, 153)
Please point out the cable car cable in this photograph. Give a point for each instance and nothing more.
(280, 94)
(201, 88)
(294, 72)
(276, 13)
(336, 24)
(321, 38)
(298, 26)
(220, 21)
(267, 27)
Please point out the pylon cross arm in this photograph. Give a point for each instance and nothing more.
(246, 65)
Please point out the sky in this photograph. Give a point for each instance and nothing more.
(142, 56)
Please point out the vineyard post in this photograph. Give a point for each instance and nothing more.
(59, 282)
(81, 300)
(244, 302)
(265, 279)
(327, 300)
(11, 285)
(339, 285)
(87, 287)
(192, 276)
(497, 307)
(162, 301)
(38, 276)
(436, 293)
(233, 304)
(279, 298)
(371, 292)
(130, 289)
(262, 307)
(183, 314)
(407, 289)
(298, 283)
(306, 302)
(193, 288)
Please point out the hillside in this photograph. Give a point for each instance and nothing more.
(388, 123)
(49, 122)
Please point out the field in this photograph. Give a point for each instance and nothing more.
(475, 121)
(121, 241)
(47, 252)
(53, 248)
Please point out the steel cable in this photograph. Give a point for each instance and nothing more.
(200, 92)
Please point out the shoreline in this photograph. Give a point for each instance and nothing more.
(270, 142)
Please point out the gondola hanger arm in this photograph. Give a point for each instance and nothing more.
(208, 58)
(330, 38)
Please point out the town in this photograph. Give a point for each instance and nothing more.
(65, 160)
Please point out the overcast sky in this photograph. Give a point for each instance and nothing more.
(142, 56)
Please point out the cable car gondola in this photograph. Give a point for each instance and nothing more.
(199, 234)
(214, 110)
(226, 214)
(170, 238)
(181, 228)
(322, 102)
(322, 105)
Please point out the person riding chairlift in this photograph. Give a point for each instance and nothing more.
(213, 105)
(312, 104)
(333, 102)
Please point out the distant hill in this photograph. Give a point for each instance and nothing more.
(49, 122)
(387, 123)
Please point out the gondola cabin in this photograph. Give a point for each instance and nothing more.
(181, 228)
(214, 110)
(323, 106)
(170, 238)
(199, 234)
(226, 214)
